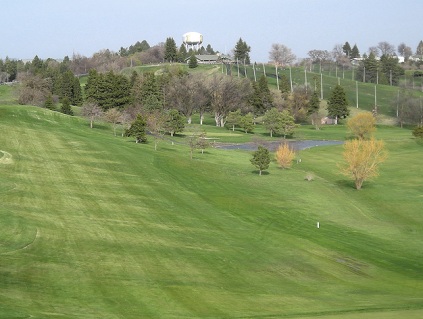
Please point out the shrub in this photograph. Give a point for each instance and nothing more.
(418, 132)
(285, 155)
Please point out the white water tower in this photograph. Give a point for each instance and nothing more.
(192, 40)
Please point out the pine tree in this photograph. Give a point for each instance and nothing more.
(261, 98)
(284, 85)
(347, 49)
(368, 70)
(209, 49)
(192, 62)
(138, 130)
(354, 52)
(314, 105)
(170, 54)
(182, 53)
(145, 87)
(419, 50)
(337, 103)
(66, 108)
(49, 104)
(265, 94)
(242, 52)
(175, 122)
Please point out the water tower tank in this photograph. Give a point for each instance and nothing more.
(192, 38)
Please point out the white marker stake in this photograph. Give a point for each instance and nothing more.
(318, 224)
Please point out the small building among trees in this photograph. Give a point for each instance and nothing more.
(211, 59)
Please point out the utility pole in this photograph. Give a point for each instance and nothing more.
(305, 78)
(290, 78)
(356, 92)
(277, 76)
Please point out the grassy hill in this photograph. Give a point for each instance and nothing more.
(96, 226)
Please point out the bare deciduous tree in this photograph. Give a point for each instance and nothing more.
(33, 90)
(281, 55)
(92, 111)
(227, 94)
(405, 51)
(113, 116)
(386, 48)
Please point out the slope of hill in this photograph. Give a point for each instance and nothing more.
(96, 226)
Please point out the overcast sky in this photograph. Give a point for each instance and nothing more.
(56, 28)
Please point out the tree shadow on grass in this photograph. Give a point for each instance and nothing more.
(349, 184)
(256, 172)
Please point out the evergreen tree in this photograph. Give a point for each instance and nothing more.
(76, 92)
(192, 62)
(170, 54)
(241, 52)
(49, 104)
(108, 90)
(92, 91)
(314, 105)
(37, 65)
(134, 78)
(261, 98)
(287, 123)
(265, 94)
(284, 85)
(391, 70)
(337, 103)
(11, 68)
(354, 52)
(209, 49)
(182, 53)
(347, 49)
(261, 159)
(419, 50)
(368, 69)
(138, 130)
(66, 108)
(145, 87)
(175, 122)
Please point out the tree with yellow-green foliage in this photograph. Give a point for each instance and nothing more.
(362, 125)
(285, 155)
(362, 159)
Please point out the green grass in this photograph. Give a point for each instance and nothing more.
(96, 226)
(7, 94)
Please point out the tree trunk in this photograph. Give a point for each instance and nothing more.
(260, 172)
(271, 133)
(358, 183)
(201, 118)
(216, 119)
(222, 121)
(189, 120)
